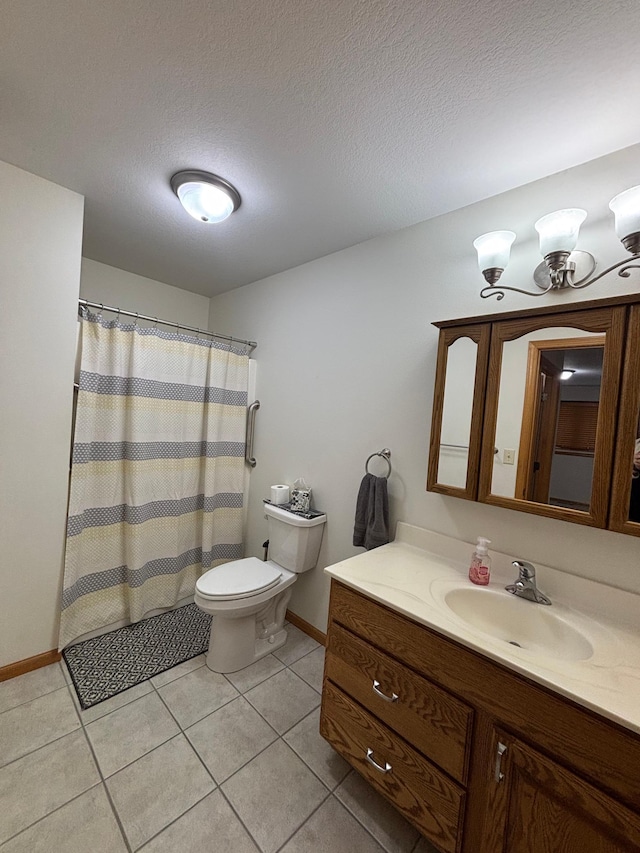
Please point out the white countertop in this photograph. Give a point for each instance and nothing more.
(413, 574)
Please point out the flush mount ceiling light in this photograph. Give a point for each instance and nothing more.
(563, 267)
(566, 374)
(204, 196)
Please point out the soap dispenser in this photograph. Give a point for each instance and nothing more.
(480, 568)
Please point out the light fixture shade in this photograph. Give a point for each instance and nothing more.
(566, 374)
(494, 249)
(559, 230)
(626, 210)
(206, 197)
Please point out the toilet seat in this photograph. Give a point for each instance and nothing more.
(238, 579)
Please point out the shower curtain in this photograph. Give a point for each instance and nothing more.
(157, 472)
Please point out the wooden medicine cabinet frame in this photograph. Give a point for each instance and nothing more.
(628, 420)
(609, 321)
(618, 320)
(479, 333)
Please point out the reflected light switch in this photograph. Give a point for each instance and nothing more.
(508, 457)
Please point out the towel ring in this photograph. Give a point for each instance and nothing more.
(383, 454)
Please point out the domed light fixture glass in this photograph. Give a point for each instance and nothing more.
(493, 251)
(626, 212)
(206, 197)
(563, 266)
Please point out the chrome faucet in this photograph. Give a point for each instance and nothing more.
(525, 586)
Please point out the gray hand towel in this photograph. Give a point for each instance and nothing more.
(371, 528)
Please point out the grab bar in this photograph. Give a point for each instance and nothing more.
(251, 425)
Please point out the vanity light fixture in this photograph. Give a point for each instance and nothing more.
(563, 267)
(566, 374)
(206, 197)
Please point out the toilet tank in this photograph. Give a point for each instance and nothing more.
(294, 541)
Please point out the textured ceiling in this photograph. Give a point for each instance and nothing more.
(337, 120)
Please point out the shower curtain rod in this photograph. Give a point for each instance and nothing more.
(83, 303)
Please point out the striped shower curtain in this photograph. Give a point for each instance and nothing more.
(157, 472)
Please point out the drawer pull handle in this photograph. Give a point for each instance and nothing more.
(371, 760)
(378, 692)
(498, 774)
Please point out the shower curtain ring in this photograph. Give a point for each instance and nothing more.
(118, 316)
(135, 322)
(155, 325)
(100, 311)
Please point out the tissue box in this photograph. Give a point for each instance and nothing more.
(301, 500)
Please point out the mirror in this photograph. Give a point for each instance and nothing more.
(458, 408)
(555, 437)
(539, 411)
(625, 499)
(634, 490)
(548, 405)
(455, 431)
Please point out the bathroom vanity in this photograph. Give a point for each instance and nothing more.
(482, 744)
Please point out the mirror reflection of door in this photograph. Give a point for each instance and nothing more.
(546, 425)
(560, 415)
(537, 439)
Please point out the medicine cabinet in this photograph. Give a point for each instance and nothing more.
(539, 411)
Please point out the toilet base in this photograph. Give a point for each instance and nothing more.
(231, 649)
(237, 641)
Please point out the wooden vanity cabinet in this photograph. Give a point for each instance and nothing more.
(539, 806)
(425, 719)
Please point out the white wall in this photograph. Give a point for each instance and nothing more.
(120, 289)
(346, 363)
(40, 246)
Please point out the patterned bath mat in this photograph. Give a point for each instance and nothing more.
(104, 666)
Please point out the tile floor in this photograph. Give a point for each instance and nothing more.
(188, 762)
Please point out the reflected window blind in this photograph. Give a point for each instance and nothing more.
(576, 432)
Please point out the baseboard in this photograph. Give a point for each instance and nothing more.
(307, 628)
(21, 666)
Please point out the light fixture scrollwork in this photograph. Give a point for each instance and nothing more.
(563, 266)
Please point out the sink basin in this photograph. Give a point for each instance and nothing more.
(524, 624)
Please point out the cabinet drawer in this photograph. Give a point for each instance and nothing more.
(384, 628)
(432, 720)
(421, 792)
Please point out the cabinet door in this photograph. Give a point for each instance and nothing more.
(552, 399)
(458, 404)
(537, 806)
(625, 503)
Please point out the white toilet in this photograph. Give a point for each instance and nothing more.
(248, 598)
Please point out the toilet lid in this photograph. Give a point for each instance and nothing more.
(238, 579)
